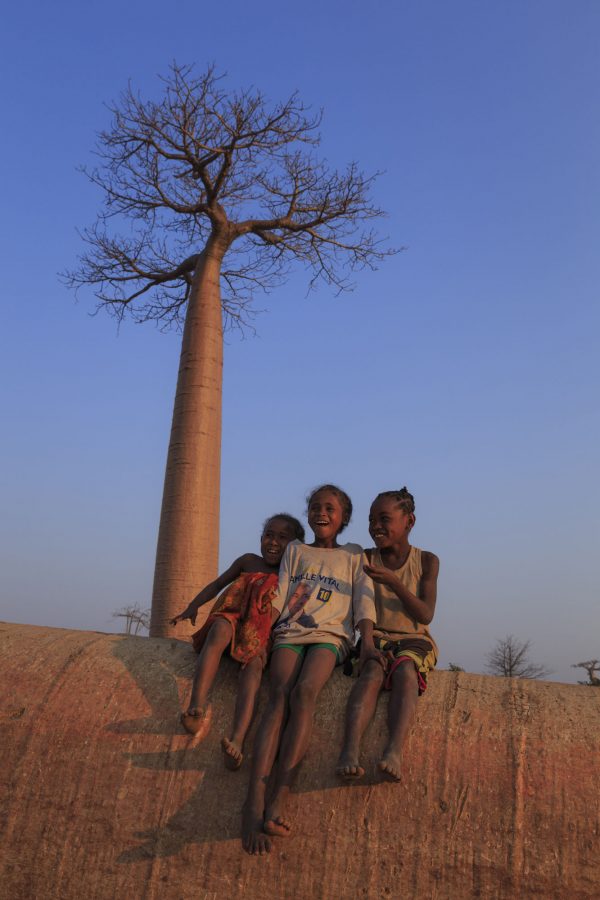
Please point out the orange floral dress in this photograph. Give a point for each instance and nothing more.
(246, 603)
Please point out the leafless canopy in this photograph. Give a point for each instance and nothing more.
(591, 666)
(136, 618)
(510, 657)
(202, 165)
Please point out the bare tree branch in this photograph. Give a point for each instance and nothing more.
(510, 658)
(591, 666)
(136, 618)
(202, 165)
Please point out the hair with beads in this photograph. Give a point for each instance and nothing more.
(345, 501)
(403, 498)
(296, 526)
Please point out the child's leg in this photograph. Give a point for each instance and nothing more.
(284, 669)
(317, 668)
(362, 703)
(401, 711)
(195, 719)
(245, 704)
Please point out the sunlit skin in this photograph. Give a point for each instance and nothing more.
(325, 518)
(196, 719)
(389, 526)
(295, 685)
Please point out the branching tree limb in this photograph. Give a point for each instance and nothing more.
(591, 666)
(136, 618)
(204, 165)
(510, 658)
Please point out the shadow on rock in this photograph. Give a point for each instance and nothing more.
(155, 666)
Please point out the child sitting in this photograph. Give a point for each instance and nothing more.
(322, 591)
(397, 653)
(241, 620)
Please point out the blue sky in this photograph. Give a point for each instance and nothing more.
(465, 367)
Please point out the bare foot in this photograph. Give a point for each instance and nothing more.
(277, 825)
(254, 840)
(390, 767)
(349, 768)
(196, 721)
(232, 754)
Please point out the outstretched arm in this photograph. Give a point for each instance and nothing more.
(422, 607)
(211, 590)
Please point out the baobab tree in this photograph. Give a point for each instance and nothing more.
(208, 196)
(136, 618)
(591, 666)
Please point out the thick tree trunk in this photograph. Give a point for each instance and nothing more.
(188, 537)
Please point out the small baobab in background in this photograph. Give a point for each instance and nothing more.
(591, 666)
(136, 618)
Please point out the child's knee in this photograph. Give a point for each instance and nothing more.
(253, 670)
(219, 632)
(278, 696)
(372, 672)
(405, 676)
(304, 695)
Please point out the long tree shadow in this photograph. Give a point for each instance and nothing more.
(155, 665)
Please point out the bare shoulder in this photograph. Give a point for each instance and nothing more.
(430, 563)
(250, 562)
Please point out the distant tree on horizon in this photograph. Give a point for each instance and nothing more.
(136, 618)
(510, 658)
(591, 666)
(204, 190)
(452, 667)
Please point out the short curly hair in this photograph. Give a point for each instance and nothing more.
(345, 501)
(296, 526)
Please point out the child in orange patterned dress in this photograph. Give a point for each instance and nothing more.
(241, 621)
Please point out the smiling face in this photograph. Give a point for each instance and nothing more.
(389, 523)
(325, 517)
(275, 538)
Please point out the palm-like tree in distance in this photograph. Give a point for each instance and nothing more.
(211, 190)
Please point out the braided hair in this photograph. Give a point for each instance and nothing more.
(403, 498)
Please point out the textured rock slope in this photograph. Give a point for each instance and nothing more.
(103, 797)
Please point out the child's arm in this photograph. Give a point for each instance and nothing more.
(364, 612)
(279, 600)
(420, 608)
(367, 647)
(265, 651)
(211, 590)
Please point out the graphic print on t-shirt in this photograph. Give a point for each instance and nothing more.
(301, 596)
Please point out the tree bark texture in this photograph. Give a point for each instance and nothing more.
(188, 538)
(103, 796)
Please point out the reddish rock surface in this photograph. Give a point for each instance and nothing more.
(103, 797)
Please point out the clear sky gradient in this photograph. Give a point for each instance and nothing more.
(466, 367)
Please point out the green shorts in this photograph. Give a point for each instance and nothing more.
(301, 649)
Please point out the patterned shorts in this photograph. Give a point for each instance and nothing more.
(418, 650)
